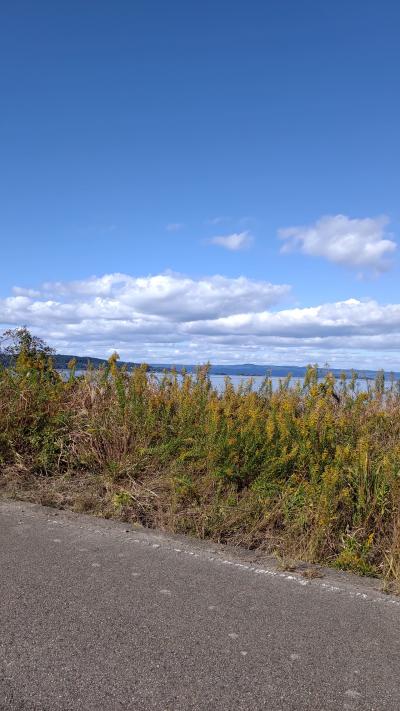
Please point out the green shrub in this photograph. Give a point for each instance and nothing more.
(311, 470)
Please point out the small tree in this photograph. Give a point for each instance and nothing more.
(19, 346)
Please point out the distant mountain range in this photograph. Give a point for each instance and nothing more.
(246, 369)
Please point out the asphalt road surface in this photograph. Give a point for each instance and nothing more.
(98, 615)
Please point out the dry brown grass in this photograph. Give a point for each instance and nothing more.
(311, 472)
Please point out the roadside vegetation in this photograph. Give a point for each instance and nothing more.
(310, 471)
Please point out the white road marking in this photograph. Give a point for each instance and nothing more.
(374, 596)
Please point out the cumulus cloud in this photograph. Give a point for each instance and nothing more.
(171, 317)
(234, 241)
(355, 243)
(175, 296)
(122, 308)
(338, 320)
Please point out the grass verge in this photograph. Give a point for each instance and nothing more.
(310, 471)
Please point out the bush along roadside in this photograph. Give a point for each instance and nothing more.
(310, 471)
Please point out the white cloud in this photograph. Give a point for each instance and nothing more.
(340, 320)
(174, 226)
(175, 296)
(149, 303)
(22, 291)
(355, 243)
(233, 242)
(173, 317)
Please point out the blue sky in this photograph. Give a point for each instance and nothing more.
(177, 144)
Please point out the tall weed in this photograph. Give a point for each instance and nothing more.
(309, 470)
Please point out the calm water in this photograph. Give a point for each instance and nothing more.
(218, 381)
